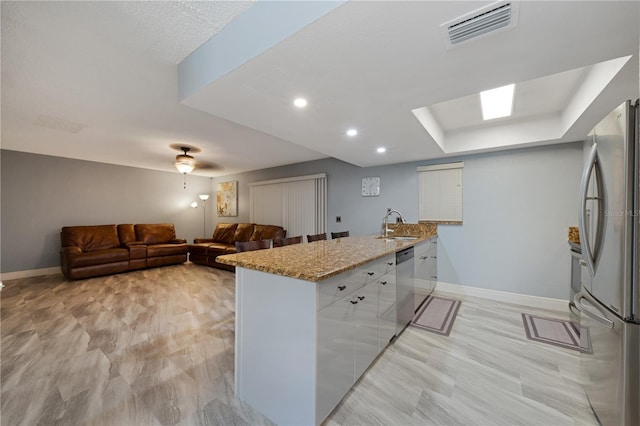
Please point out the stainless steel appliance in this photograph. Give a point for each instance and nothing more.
(404, 288)
(576, 283)
(610, 292)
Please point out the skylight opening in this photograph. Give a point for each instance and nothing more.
(497, 103)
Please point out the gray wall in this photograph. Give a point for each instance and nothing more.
(360, 215)
(40, 194)
(518, 206)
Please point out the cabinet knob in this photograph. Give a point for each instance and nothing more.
(360, 297)
(353, 302)
(434, 257)
(434, 276)
(370, 273)
(390, 263)
(383, 282)
(342, 287)
(424, 257)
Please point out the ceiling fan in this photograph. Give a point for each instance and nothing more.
(186, 163)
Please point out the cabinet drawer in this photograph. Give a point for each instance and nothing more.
(373, 270)
(387, 264)
(334, 289)
(428, 250)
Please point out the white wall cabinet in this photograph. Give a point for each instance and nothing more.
(425, 269)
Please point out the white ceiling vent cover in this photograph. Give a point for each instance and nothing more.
(496, 16)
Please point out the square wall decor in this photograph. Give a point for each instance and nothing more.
(227, 198)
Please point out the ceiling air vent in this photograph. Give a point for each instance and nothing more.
(496, 16)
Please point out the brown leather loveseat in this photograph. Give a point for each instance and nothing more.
(205, 250)
(90, 251)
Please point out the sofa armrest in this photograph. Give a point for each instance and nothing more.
(203, 240)
(177, 241)
(69, 250)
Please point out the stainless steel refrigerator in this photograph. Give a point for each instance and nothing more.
(610, 292)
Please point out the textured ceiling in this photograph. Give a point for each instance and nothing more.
(98, 80)
(170, 30)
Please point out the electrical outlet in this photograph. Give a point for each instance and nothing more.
(338, 219)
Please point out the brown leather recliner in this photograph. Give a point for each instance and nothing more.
(163, 248)
(89, 251)
(204, 251)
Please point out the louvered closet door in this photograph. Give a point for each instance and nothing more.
(297, 204)
(266, 204)
(299, 212)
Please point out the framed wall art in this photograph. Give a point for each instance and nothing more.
(227, 198)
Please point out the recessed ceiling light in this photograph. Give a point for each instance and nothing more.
(352, 132)
(300, 102)
(497, 102)
(381, 150)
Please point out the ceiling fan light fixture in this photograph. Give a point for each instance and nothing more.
(184, 162)
(184, 167)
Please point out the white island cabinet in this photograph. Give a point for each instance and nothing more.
(425, 269)
(301, 345)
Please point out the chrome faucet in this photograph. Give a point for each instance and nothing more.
(385, 221)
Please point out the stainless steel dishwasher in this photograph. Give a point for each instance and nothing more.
(404, 289)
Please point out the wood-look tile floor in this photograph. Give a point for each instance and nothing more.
(156, 347)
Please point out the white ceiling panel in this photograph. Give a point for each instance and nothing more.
(99, 81)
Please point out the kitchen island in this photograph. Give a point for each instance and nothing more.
(310, 319)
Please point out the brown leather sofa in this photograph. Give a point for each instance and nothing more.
(90, 251)
(205, 250)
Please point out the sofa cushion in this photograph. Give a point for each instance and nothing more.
(244, 231)
(218, 249)
(200, 249)
(267, 232)
(90, 238)
(157, 250)
(230, 250)
(219, 246)
(126, 233)
(224, 233)
(99, 257)
(156, 233)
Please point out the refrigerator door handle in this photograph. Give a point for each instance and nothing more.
(591, 254)
(590, 310)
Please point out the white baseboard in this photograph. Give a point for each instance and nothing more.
(503, 296)
(30, 273)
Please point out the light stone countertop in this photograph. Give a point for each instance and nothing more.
(319, 260)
